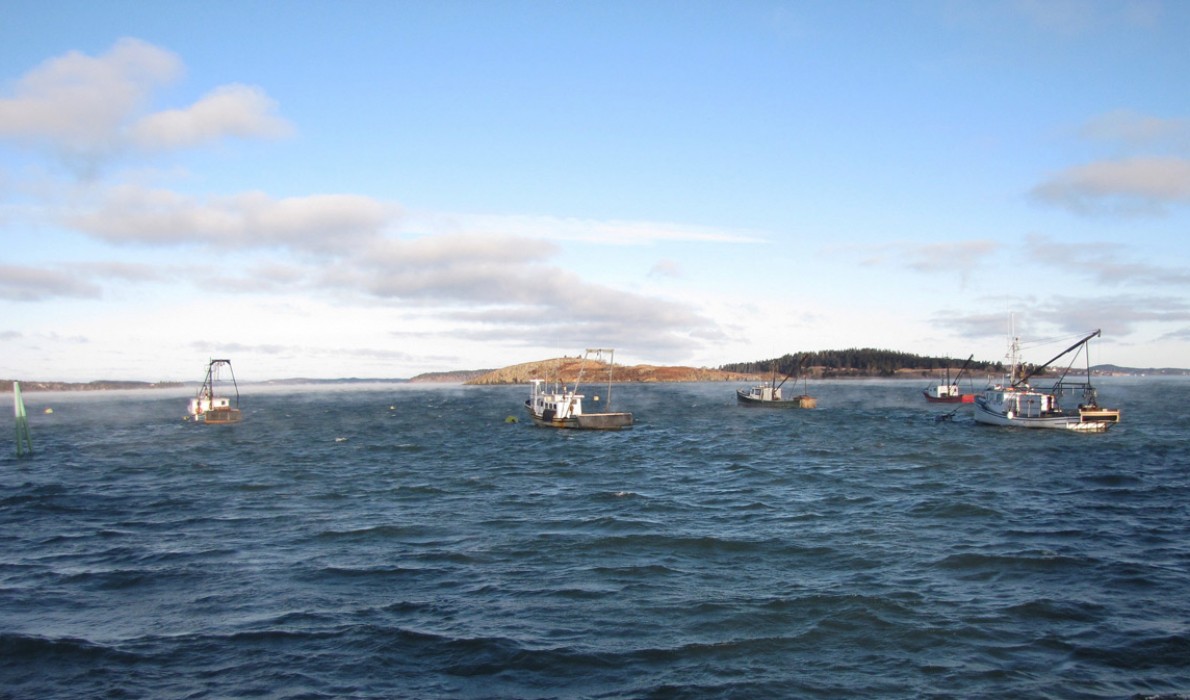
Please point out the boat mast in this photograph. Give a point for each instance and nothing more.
(1041, 367)
(611, 361)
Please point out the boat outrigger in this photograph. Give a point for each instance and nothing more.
(1016, 403)
(212, 409)
(560, 407)
(948, 391)
(769, 393)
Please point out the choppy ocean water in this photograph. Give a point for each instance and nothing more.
(404, 541)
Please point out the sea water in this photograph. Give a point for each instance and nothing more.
(410, 541)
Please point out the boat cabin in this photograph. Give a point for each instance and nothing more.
(1026, 404)
(945, 391)
(558, 403)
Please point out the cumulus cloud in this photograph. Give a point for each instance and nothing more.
(1118, 316)
(948, 257)
(1153, 176)
(18, 283)
(606, 232)
(89, 108)
(234, 110)
(1140, 185)
(1105, 263)
(665, 268)
(1136, 130)
(319, 223)
(952, 257)
(504, 286)
(79, 101)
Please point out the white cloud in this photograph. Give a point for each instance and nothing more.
(665, 268)
(232, 110)
(1104, 262)
(321, 223)
(89, 109)
(20, 283)
(606, 232)
(78, 102)
(1140, 185)
(1138, 130)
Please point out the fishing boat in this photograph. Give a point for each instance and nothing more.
(562, 407)
(207, 406)
(769, 394)
(1019, 404)
(948, 391)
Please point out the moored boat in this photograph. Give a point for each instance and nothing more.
(207, 407)
(769, 394)
(948, 391)
(562, 407)
(1017, 403)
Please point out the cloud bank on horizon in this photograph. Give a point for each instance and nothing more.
(687, 184)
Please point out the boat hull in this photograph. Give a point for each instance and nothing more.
(584, 421)
(1056, 421)
(219, 416)
(961, 398)
(745, 399)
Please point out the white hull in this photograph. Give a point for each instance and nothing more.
(988, 416)
(1006, 410)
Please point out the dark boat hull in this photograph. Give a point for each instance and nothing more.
(795, 402)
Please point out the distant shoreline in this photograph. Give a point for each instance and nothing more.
(467, 376)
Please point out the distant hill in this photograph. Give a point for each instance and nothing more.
(456, 377)
(99, 385)
(568, 369)
(1137, 371)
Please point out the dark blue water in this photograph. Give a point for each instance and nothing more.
(407, 542)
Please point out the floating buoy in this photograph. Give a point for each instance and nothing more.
(510, 419)
(49, 411)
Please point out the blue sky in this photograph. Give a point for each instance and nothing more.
(379, 189)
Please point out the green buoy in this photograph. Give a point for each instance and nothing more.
(24, 440)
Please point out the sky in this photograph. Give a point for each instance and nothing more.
(380, 188)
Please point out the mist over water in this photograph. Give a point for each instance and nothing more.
(406, 541)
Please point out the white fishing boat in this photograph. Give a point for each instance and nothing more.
(1016, 403)
(769, 394)
(562, 407)
(207, 406)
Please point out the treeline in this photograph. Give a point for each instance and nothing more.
(865, 361)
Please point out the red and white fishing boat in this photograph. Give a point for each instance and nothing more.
(948, 391)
